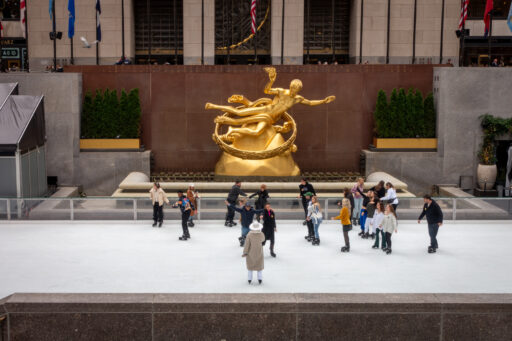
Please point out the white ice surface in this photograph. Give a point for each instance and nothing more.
(474, 257)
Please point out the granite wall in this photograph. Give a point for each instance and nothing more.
(178, 130)
(439, 317)
(461, 96)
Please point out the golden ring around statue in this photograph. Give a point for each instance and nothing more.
(258, 155)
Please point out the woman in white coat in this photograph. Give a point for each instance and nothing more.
(390, 197)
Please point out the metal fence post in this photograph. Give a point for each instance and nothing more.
(135, 209)
(8, 209)
(326, 209)
(198, 208)
(454, 210)
(71, 210)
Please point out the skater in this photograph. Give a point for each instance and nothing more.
(304, 188)
(389, 224)
(269, 227)
(311, 228)
(184, 205)
(193, 196)
(253, 251)
(377, 223)
(434, 215)
(379, 189)
(247, 214)
(369, 227)
(233, 195)
(262, 198)
(348, 194)
(358, 200)
(345, 221)
(390, 197)
(158, 198)
(364, 212)
(315, 217)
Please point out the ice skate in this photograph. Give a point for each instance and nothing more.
(260, 281)
(273, 254)
(249, 281)
(154, 224)
(232, 223)
(184, 238)
(304, 222)
(375, 247)
(372, 236)
(316, 242)
(366, 235)
(226, 223)
(388, 252)
(191, 224)
(360, 234)
(345, 249)
(431, 250)
(160, 224)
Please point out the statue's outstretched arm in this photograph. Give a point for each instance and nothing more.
(272, 78)
(318, 101)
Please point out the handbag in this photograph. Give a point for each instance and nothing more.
(390, 201)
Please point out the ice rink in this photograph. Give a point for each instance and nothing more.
(127, 257)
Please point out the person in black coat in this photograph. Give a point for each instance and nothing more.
(262, 198)
(434, 215)
(185, 207)
(379, 189)
(269, 227)
(233, 195)
(304, 188)
(247, 214)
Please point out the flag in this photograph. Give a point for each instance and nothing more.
(98, 25)
(487, 16)
(253, 16)
(23, 9)
(71, 22)
(50, 9)
(509, 19)
(1, 30)
(463, 14)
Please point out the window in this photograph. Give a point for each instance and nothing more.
(476, 9)
(10, 9)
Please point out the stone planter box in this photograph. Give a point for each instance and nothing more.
(421, 143)
(109, 144)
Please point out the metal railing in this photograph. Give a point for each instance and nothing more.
(134, 209)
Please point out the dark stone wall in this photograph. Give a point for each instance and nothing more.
(439, 317)
(178, 129)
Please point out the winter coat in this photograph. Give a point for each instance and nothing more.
(357, 190)
(371, 207)
(158, 195)
(192, 196)
(247, 215)
(381, 193)
(269, 222)
(306, 188)
(377, 219)
(253, 250)
(344, 216)
(262, 198)
(390, 195)
(234, 193)
(389, 223)
(433, 213)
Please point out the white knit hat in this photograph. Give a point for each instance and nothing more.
(256, 226)
(191, 185)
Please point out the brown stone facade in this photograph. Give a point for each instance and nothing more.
(178, 130)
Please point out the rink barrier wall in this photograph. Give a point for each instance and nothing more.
(140, 209)
(258, 317)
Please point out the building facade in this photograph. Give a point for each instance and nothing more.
(288, 32)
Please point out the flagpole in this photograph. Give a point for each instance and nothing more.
(490, 35)
(122, 29)
(54, 29)
(26, 36)
(72, 61)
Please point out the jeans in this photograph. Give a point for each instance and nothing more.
(364, 216)
(184, 220)
(432, 232)
(377, 237)
(358, 202)
(316, 226)
(388, 240)
(158, 213)
(245, 231)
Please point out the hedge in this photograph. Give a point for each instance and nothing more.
(406, 115)
(105, 115)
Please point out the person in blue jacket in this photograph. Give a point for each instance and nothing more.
(247, 214)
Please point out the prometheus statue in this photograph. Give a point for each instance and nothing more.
(254, 144)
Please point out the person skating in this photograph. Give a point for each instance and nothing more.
(389, 225)
(233, 195)
(311, 228)
(184, 205)
(358, 200)
(193, 196)
(253, 251)
(348, 194)
(247, 214)
(315, 217)
(262, 198)
(390, 197)
(379, 189)
(369, 227)
(269, 227)
(304, 188)
(345, 222)
(364, 212)
(158, 198)
(377, 223)
(434, 215)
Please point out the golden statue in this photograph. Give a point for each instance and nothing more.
(254, 144)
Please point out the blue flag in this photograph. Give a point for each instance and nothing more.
(71, 23)
(509, 19)
(98, 25)
(50, 9)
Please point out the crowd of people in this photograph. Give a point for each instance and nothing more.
(373, 210)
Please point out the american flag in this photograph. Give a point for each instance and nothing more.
(23, 9)
(463, 14)
(253, 16)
